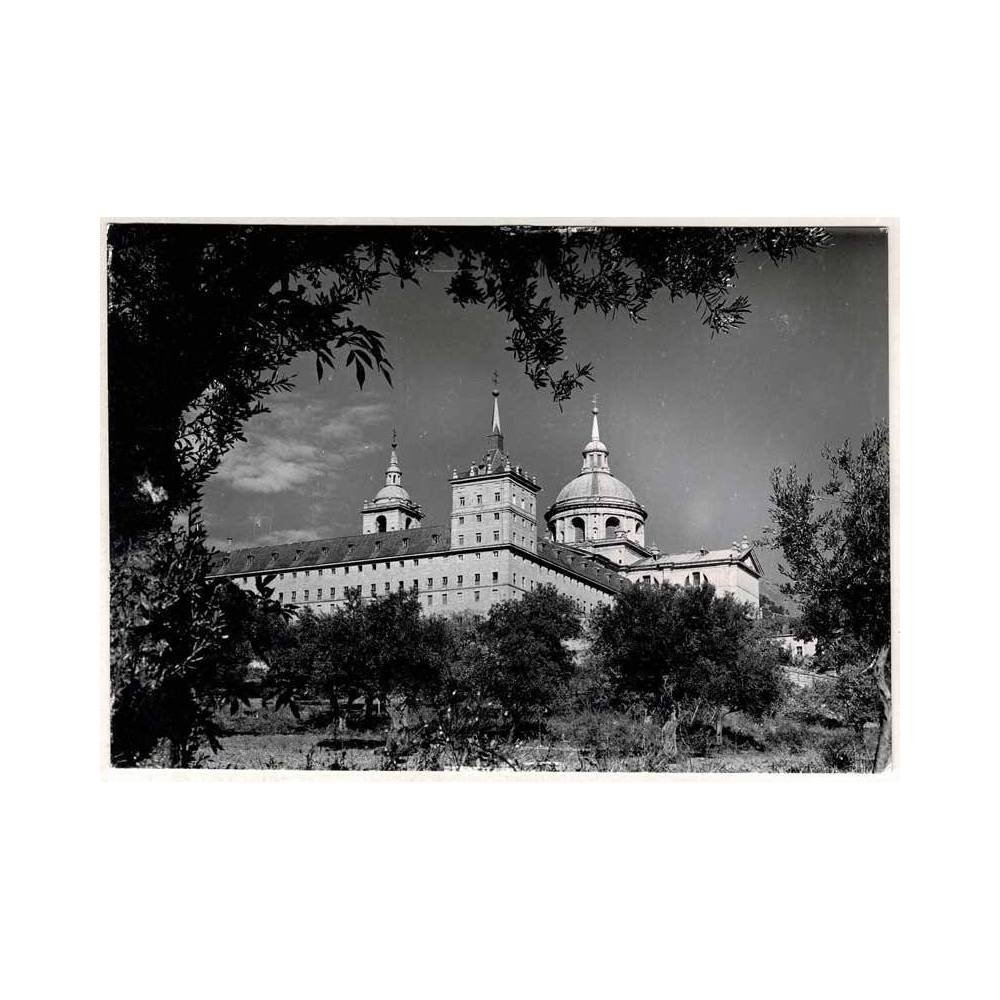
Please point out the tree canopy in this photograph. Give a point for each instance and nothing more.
(837, 558)
(686, 650)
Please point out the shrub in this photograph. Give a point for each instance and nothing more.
(839, 750)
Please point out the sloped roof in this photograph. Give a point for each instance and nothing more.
(594, 568)
(323, 551)
(431, 540)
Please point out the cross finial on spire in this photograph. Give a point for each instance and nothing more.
(595, 402)
(394, 437)
(496, 383)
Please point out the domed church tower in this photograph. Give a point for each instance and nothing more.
(598, 512)
(391, 509)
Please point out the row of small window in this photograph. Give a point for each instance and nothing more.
(524, 504)
(479, 517)
(518, 539)
(347, 591)
(387, 587)
(444, 597)
(479, 538)
(695, 579)
(332, 570)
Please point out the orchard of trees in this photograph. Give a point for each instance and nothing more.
(675, 660)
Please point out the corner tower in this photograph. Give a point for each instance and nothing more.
(598, 512)
(493, 503)
(391, 509)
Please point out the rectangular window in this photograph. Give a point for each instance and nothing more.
(496, 515)
(373, 590)
(430, 599)
(281, 598)
(307, 573)
(496, 576)
(444, 598)
(294, 575)
(319, 594)
(479, 518)
(388, 565)
(400, 584)
(461, 501)
(416, 584)
(496, 553)
(293, 595)
(305, 595)
(387, 586)
(430, 581)
(496, 536)
(475, 595)
(444, 581)
(476, 580)
(416, 562)
(461, 520)
(460, 579)
(479, 498)
(461, 539)
(460, 595)
(479, 537)
(496, 497)
(347, 569)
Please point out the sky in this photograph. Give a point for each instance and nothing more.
(694, 424)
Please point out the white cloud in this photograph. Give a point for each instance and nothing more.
(295, 445)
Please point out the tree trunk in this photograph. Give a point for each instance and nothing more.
(718, 727)
(883, 681)
(670, 734)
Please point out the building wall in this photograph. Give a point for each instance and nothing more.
(800, 648)
(446, 582)
(729, 578)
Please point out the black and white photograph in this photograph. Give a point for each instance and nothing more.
(507, 497)
(498, 500)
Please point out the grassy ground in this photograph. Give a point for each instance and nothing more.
(791, 743)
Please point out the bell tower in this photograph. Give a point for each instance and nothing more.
(494, 501)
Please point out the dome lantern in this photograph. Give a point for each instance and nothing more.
(597, 510)
(391, 509)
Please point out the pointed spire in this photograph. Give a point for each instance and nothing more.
(496, 435)
(393, 473)
(496, 404)
(595, 455)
